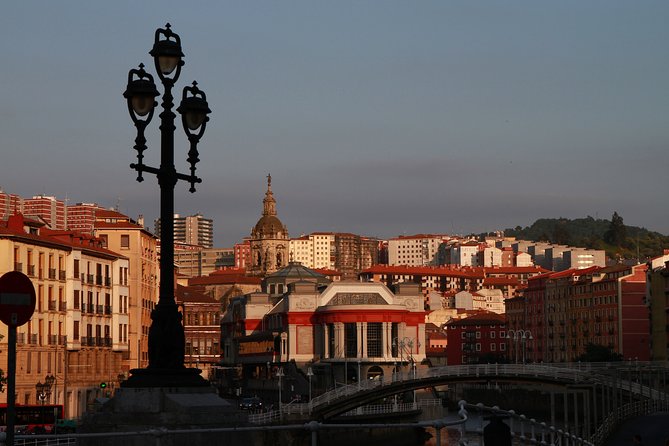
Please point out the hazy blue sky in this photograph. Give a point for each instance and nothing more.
(373, 117)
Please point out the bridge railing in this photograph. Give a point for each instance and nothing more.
(523, 430)
(623, 413)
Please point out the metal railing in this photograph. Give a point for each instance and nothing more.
(623, 413)
(158, 435)
(523, 430)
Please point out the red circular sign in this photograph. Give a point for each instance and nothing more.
(17, 298)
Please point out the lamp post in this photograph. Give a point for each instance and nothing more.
(43, 390)
(310, 374)
(519, 336)
(166, 334)
(39, 390)
(280, 374)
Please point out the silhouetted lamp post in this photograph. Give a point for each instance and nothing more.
(166, 335)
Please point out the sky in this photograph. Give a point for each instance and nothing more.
(379, 118)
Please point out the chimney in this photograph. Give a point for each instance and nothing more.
(140, 220)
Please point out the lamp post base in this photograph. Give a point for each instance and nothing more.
(161, 377)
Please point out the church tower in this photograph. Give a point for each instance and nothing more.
(269, 239)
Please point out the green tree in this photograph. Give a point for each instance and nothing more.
(617, 232)
(599, 353)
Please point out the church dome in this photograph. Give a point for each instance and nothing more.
(269, 226)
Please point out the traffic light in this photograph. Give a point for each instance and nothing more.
(103, 385)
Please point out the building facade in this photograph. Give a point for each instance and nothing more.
(79, 331)
(480, 338)
(191, 230)
(415, 250)
(121, 234)
(344, 330)
(50, 209)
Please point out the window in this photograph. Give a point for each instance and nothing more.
(478, 347)
(492, 335)
(125, 241)
(493, 347)
(104, 240)
(502, 347)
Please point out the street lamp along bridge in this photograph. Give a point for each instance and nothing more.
(166, 335)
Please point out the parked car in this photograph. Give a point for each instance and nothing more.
(253, 404)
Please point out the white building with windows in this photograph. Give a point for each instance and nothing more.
(415, 250)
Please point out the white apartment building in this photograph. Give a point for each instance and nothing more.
(316, 250)
(492, 256)
(465, 254)
(415, 250)
(524, 259)
(583, 258)
(483, 299)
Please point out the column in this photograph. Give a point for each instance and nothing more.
(363, 340)
(326, 341)
(387, 341)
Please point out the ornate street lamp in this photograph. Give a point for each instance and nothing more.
(310, 374)
(39, 389)
(280, 374)
(166, 335)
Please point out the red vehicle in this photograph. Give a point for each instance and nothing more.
(32, 419)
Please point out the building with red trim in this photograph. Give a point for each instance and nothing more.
(343, 330)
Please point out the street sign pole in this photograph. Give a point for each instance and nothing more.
(11, 385)
(17, 305)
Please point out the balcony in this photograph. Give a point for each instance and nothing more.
(62, 340)
(89, 279)
(31, 270)
(99, 309)
(52, 305)
(52, 273)
(62, 275)
(62, 305)
(18, 266)
(108, 309)
(53, 339)
(107, 342)
(20, 338)
(32, 339)
(107, 281)
(98, 280)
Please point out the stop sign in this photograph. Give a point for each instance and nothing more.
(17, 298)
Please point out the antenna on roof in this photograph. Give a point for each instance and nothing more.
(117, 208)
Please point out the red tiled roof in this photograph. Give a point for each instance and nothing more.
(481, 318)
(189, 294)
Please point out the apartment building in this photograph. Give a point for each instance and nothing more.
(78, 333)
(657, 285)
(194, 260)
(123, 235)
(415, 250)
(192, 230)
(316, 251)
(50, 209)
(9, 204)
(81, 217)
(567, 310)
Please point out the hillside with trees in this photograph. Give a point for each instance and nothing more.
(617, 239)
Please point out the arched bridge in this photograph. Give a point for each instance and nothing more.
(614, 380)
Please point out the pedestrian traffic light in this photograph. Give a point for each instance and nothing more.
(103, 385)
